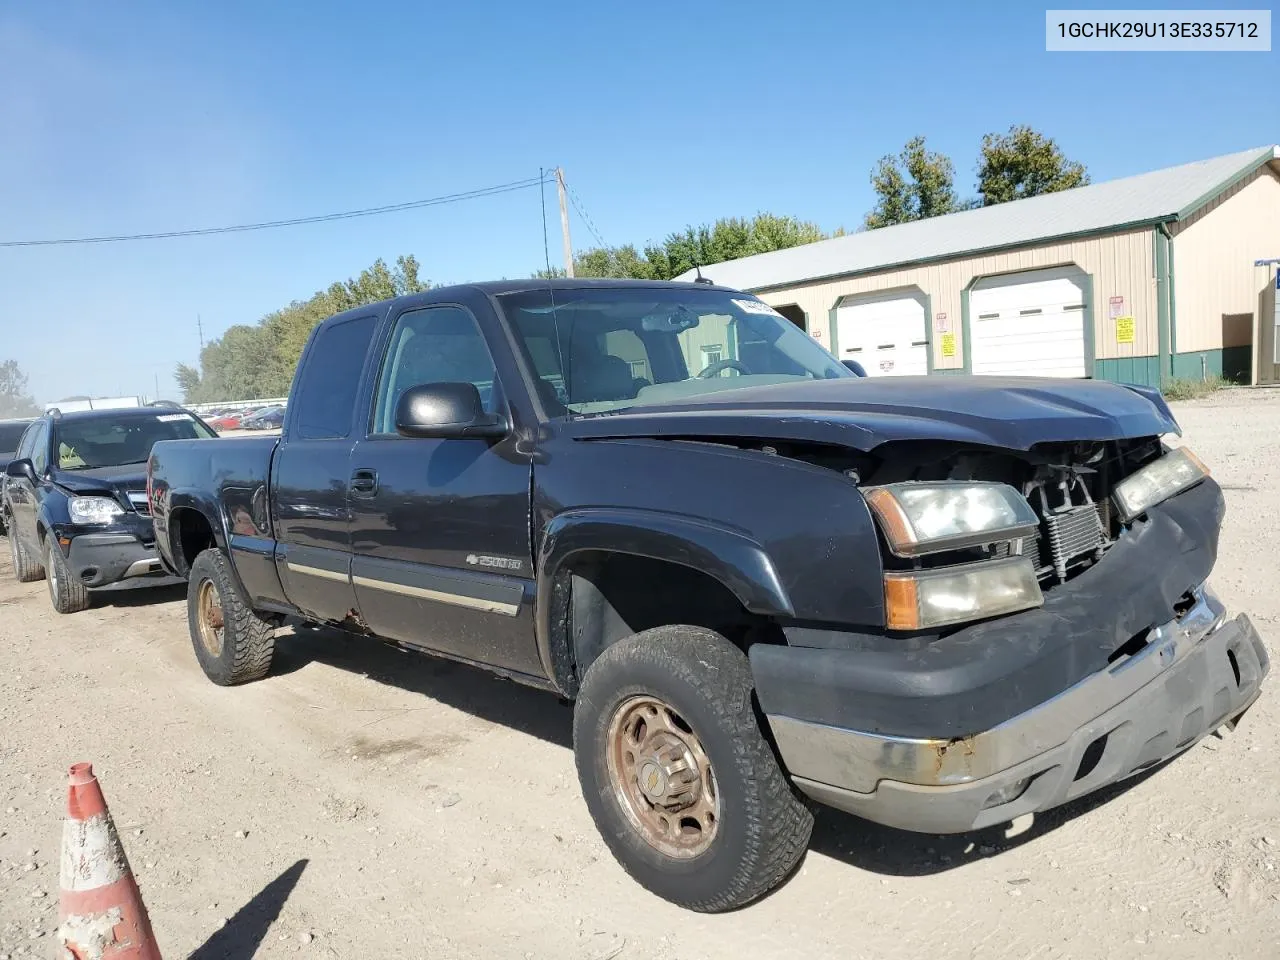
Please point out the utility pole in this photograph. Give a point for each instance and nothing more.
(564, 223)
(157, 396)
(200, 331)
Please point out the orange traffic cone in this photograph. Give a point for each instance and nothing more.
(101, 912)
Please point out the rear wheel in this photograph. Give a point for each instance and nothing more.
(233, 644)
(679, 779)
(68, 594)
(24, 568)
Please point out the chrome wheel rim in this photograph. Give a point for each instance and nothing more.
(209, 618)
(662, 777)
(51, 574)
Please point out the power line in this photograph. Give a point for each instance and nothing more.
(296, 221)
(578, 205)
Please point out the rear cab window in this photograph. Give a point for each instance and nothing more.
(329, 380)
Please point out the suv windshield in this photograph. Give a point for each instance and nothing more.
(611, 348)
(114, 442)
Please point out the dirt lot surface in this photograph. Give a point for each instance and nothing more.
(361, 803)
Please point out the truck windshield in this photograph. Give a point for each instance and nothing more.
(115, 441)
(601, 349)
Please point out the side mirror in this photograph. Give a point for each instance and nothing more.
(446, 411)
(855, 366)
(21, 470)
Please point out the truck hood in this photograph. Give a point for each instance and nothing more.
(112, 481)
(1014, 412)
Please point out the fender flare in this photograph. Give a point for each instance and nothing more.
(728, 555)
(208, 508)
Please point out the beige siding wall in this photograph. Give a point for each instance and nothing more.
(1216, 286)
(1121, 264)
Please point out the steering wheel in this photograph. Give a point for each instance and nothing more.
(712, 369)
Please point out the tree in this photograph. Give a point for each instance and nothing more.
(914, 185)
(251, 361)
(726, 239)
(14, 399)
(188, 380)
(1024, 163)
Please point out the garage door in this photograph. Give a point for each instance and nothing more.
(887, 334)
(1029, 324)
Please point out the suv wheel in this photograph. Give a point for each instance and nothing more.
(23, 568)
(68, 594)
(233, 644)
(680, 781)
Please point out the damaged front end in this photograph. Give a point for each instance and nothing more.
(1119, 658)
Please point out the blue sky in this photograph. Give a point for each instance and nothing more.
(123, 118)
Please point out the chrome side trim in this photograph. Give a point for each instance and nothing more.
(858, 761)
(457, 599)
(316, 572)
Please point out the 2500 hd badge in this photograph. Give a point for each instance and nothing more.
(938, 603)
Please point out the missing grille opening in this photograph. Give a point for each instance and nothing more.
(1235, 665)
(1092, 757)
(1183, 604)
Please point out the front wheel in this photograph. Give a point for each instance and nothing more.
(67, 594)
(680, 781)
(24, 568)
(233, 644)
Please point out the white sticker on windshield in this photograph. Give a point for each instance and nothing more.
(755, 306)
(170, 417)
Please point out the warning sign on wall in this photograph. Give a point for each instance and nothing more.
(948, 344)
(1124, 329)
(1115, 307)
(940, 323)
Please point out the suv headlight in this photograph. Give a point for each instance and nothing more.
(1176, 471)
(924, 517)
(93, 509)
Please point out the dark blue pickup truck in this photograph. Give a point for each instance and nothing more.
(935, 602)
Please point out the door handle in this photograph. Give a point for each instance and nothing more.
(364, 483)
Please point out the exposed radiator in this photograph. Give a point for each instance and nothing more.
(1070, 534)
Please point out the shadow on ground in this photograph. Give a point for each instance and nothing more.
(145, 596)
(478, 692)
(859, 843)
(899, 853)
(244, 932)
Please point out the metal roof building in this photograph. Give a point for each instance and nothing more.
(1138, 279)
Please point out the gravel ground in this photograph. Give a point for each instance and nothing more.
(361, 802)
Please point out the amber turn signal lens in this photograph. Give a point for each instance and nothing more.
(901, 602)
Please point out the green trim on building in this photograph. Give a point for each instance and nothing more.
(1230, 363)
(952, 371)
(1141, 370)
(1090, 356)
(834, 330)
(966, 346)
(1173, 300)
(1163, 296)
(928, 331)
(1246, 171)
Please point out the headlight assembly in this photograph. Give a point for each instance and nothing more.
(919, 518)
(95, 510)
(923, 599)
(1176, 471)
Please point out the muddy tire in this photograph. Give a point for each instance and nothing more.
(233, 644)
(24, 568)
(683, 786)
(66, 592)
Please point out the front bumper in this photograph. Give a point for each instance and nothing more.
(1193, 674)
(107, 559)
